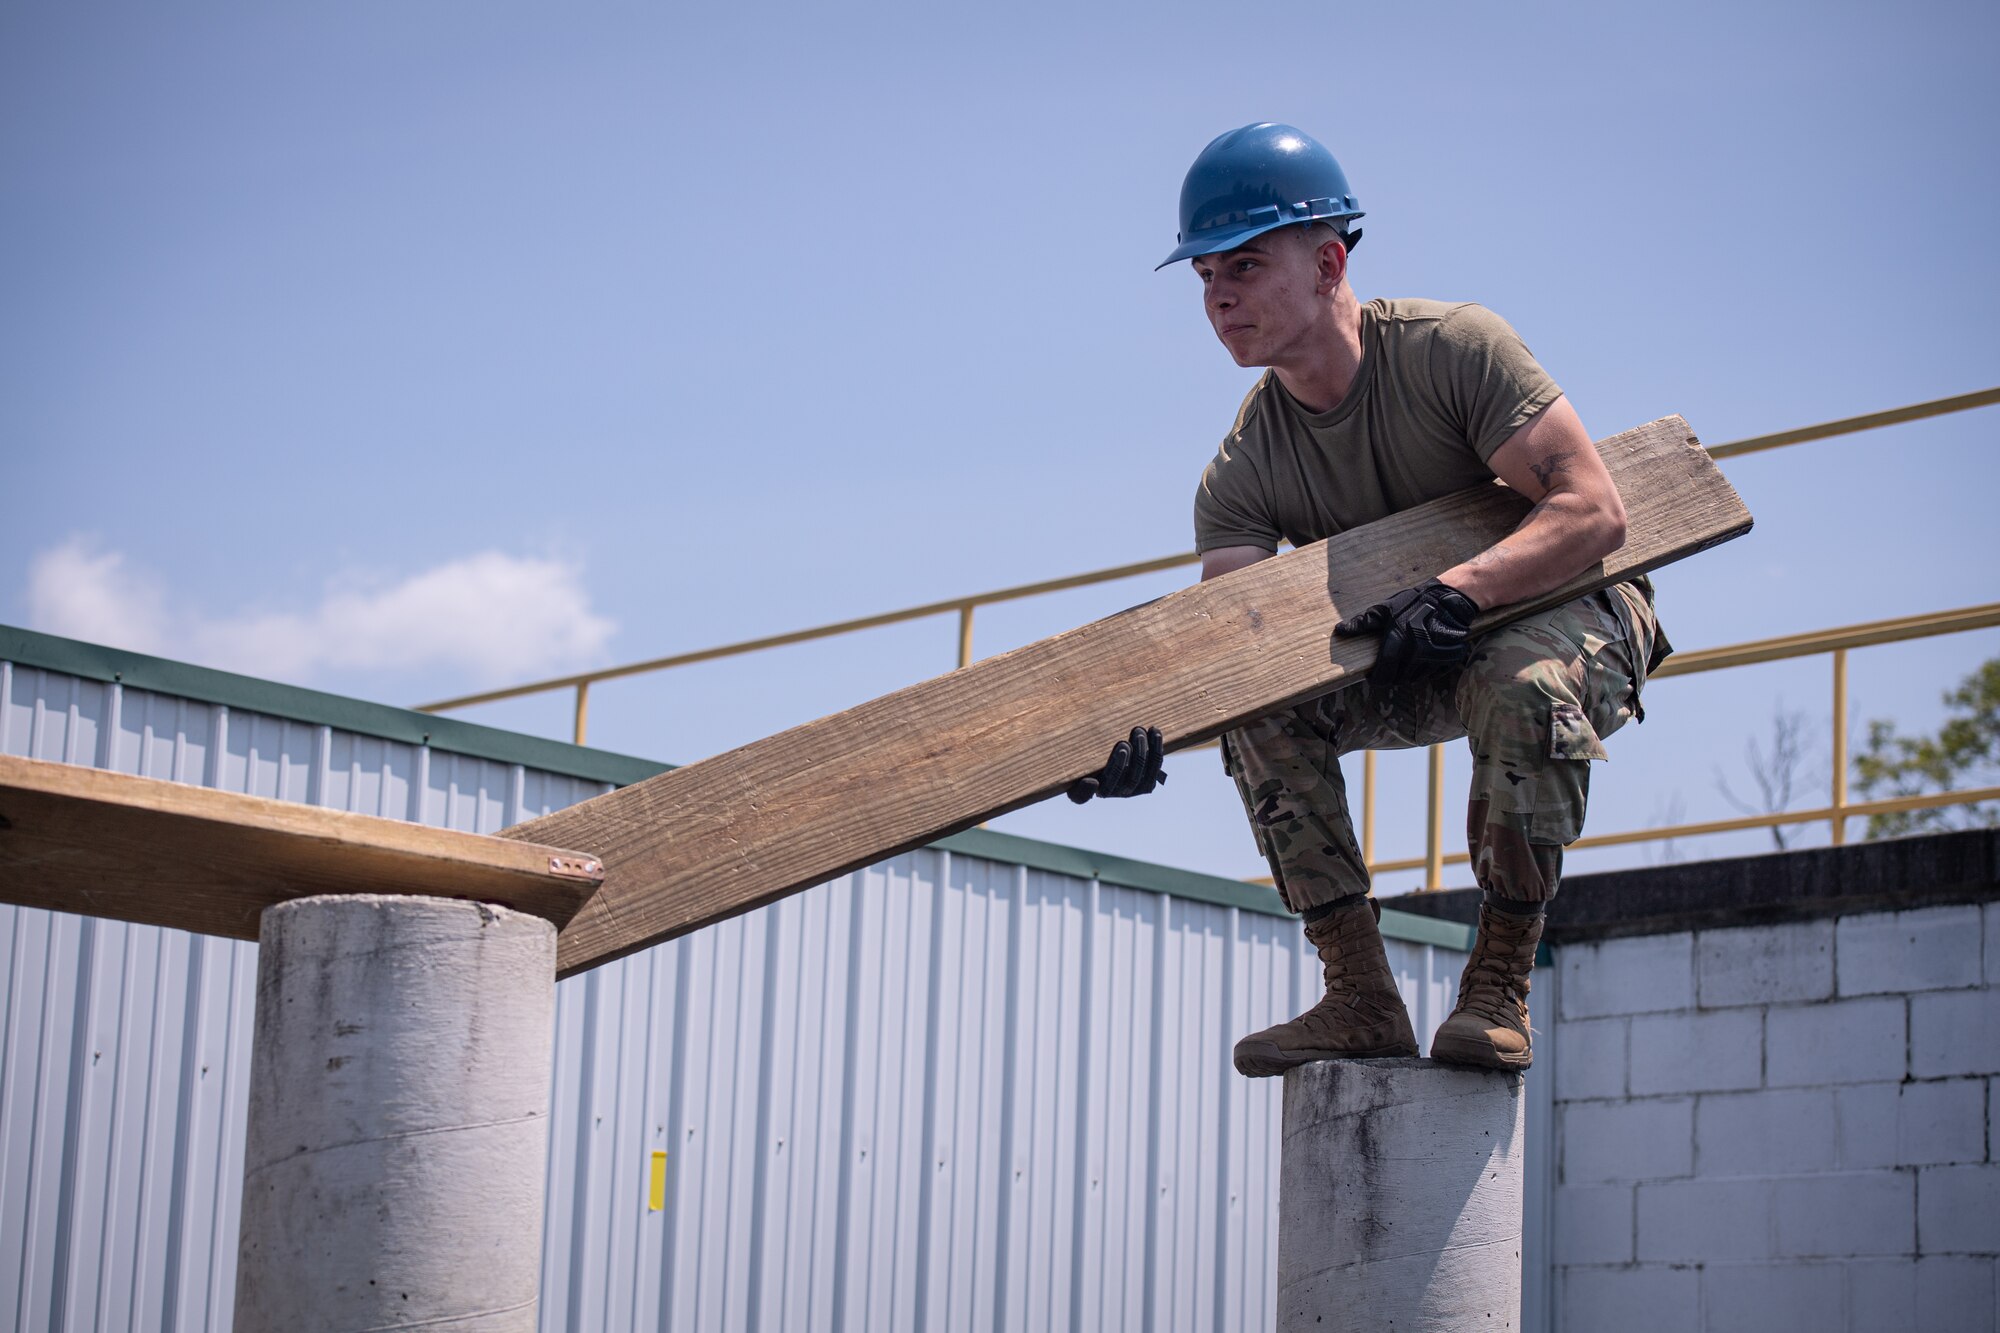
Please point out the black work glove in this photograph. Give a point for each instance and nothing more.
(1134, 769)
(1424, 629)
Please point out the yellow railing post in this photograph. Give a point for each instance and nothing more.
(965, 635)
(1434, 861)
(1368, 807)
(1839, 745)
(582, 710)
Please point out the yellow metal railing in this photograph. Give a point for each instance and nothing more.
(1936, 407)
(1836, 641)
(583, 680)
(965, 606)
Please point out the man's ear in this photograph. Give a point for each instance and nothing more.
(1332, 265)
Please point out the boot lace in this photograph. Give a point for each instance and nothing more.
(1495, 985)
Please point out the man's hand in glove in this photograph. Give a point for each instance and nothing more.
(1134, 769)
(1424, 629)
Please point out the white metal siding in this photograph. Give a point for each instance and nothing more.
(124, 1049)
(941, 1093)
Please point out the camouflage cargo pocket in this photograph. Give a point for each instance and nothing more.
(1571, 736)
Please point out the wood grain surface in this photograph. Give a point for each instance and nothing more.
(85, 840)
(704, 842)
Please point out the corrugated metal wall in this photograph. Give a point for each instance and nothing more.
(124, 1050)
(941, 1093)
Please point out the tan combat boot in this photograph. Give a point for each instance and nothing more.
(1362, 1016)
(1489, 1025)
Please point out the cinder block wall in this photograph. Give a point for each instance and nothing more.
(1775, 1093)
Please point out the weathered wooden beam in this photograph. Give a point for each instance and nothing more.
(731, 833)
(76, 839)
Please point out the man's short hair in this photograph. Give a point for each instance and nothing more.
(1320, 232)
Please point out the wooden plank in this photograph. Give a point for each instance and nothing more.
(731, 833)
(107, 844)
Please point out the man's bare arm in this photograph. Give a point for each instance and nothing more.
(1228, 559)
(1577, 520)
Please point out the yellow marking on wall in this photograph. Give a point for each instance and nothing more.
(656, 1197)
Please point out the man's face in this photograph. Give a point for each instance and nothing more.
(1264, 298)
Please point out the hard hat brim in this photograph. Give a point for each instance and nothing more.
(1217, 240)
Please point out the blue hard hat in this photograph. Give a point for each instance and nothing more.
(1254, 180)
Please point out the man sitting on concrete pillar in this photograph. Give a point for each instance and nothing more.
(1366, 410)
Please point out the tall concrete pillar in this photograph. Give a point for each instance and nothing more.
(1399, 1198)
(398, 1132)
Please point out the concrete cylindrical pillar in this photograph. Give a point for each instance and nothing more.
(398, 1131)
(1399, 1198)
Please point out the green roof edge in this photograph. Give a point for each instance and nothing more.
(91, 661)
(993, 845)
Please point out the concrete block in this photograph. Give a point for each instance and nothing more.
(1933, 948)
(1630, 1300)
(1756, 1298)
(1787, 964)
(1771, 1133)
(1922, 1296)
(1847, 1213)
(1992, 947)
(1593, 1224)
(1955, 1292)
(1697, 1221)
(1882, 1295)
(1955, 1032)
(1604, 1142)
(1645, 975)
(1590, 1058)
(1697, 1052)
(1844, 1041)
(1942, 1123)
(1867, 1118)
(1912, 1124)
(1958, 1209)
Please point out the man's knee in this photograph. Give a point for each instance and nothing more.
(1577, 664)
(1521, 702)
(1274, 738)
(1279, 751)
(1504, 682)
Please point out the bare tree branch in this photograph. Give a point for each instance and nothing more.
(1780, 774)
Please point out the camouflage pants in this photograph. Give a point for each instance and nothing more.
(1535, 700)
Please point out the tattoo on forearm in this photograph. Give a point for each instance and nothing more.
(1545, 471)
(1493, 556)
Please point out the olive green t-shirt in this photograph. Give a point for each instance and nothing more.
(1441, 386)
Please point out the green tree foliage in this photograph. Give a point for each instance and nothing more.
(1964, 753)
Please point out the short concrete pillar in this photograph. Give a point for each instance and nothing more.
(1399, 1198)
(398, 1132)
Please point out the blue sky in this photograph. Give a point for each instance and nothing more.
(405, 350)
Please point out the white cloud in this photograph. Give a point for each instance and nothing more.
(491, 616)
(80, 592)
